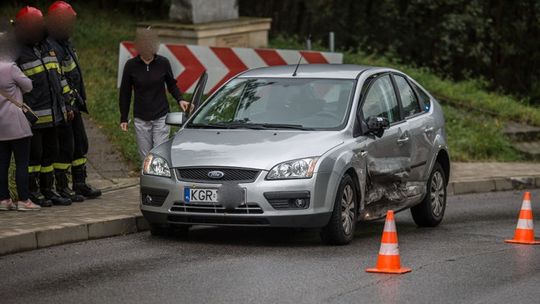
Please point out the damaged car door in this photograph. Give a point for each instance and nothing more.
(388, 151)
(421, 127)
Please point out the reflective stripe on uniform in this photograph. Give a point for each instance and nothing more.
(43, 112)
(68, 66)
(66, 89)
(40, 68)
(44, 119)
(62, 166)
(79, 162)
(29, 65)
(33, 169)
(47, 169)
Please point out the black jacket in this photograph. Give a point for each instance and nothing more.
(39, 63)
(69, 64)
(148, 82)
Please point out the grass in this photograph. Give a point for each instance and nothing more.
(473, 135)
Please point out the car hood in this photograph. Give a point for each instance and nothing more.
(259, 149)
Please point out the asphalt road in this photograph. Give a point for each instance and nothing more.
(465, 260)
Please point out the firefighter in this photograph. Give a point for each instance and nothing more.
(38, 61)
(60, 23)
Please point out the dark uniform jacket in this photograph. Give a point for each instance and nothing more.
(39, 63)
(69, 64)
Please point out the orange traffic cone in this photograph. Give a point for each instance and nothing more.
(525, 226)
(388, 260)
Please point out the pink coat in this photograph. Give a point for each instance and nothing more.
(13, 123)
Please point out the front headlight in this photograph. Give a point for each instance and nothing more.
(155, 165)
(298, 168)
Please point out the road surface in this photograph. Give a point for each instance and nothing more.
(465, 260)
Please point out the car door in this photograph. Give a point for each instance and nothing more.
(388, 156)
(420, 128)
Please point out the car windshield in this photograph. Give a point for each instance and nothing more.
(288, 103)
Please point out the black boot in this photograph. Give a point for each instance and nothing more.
(46, 182)
(62, 186)
(79, 183)
(35, 194)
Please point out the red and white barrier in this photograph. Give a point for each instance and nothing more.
(221, 63)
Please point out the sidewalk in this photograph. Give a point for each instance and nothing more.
(117, 212)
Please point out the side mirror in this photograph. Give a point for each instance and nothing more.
(176, 119)
(377, 125)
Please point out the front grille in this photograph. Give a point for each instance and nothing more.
(218, 220)
(249, 208)
(229, 174)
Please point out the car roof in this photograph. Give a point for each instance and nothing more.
(332, 71)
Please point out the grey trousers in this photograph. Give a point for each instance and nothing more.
(150, 134)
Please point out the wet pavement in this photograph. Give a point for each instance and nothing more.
(465, 260)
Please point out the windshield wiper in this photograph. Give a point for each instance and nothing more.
(282, 126)
(219, 125)
(247, 125)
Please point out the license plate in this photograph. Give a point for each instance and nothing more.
(200, 195)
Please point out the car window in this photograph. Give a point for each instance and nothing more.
(381, 100)
(408, 98)
(424, 98)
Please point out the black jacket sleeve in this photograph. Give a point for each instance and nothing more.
(126, 88)
(172, 85)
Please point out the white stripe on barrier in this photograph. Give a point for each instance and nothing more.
(389, 249)
(249, 57)
(187, 61)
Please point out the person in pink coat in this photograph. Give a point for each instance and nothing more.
(15, 130)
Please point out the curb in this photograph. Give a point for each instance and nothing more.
(493, 185)
(72, 233)
(122, 225)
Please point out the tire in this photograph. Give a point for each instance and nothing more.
(430, 212)
(339, 231)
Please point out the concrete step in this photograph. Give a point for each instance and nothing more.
(521, 132)
(530, 148)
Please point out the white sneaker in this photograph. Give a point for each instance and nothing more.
(7, 205)
(27, 206)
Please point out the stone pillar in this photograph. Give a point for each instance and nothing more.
(210, 23)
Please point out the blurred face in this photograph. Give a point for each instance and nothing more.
(146, 44)
(30, 30)
(61, 24)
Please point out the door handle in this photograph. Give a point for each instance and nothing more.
(403, 140)
(428, 130)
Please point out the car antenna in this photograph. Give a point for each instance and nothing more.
(298, 64)
(300, 59)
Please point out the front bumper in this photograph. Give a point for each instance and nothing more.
(300, 221)
(170, 195)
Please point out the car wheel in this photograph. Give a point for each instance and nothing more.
(340, 228)
(430, 212)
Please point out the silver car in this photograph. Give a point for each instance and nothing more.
(319, 146)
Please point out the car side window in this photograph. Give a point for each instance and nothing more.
(408, 98)
(381, 100)
(424, 98)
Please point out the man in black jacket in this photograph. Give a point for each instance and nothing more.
(38, 61)
(60, 23)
